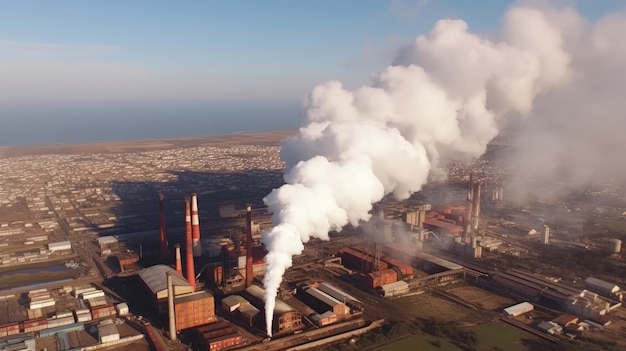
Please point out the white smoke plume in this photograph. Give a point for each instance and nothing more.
(445, 95)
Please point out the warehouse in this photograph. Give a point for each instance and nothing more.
(342, 296)
(322, 302)
(286, 318)
(154, 279)
(107, 332)
(394, 289)
(603, 288)
(217, 336)
(60, 246)
(194, 309)
(519, 309)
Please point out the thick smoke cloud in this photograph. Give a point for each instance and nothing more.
(574, 136)
(444, 96)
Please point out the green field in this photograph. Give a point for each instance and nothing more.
(491, 336)
(422, 343)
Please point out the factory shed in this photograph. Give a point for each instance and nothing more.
(286, 318)
(249, 314)
(519, 309)
(322, 302)
(550, 327)
(394, 289)
(601, 286)
(324, 319)
(192, 310)
(232, 303)
(107, 332)
(60, 246)
(154, 280)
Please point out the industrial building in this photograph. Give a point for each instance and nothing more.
(603, 288)
(217, 336)
(286, 318)
(519, 309)
(154, 280)
(322, 302)
(194, 309)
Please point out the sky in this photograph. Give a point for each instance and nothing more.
(77, 71)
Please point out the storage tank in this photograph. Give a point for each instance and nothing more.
(615, 245)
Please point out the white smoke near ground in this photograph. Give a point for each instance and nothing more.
(445, 96)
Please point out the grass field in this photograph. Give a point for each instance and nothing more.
(503, 336)
(490, 336)
(422, 343)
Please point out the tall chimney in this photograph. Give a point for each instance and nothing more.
(468, 209)
(249, 270)
(179, 263)
(195, 226)
(191, 274)
(476, 199)
(170, 307)
(163, 236)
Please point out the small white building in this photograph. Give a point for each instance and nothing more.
(107, 332)
(550, 328)
(519, 309)
(122, 309)
(394, 289)
(60, 246)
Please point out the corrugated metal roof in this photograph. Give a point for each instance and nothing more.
(395, 286)
(233, 300)
(258, 292)
(155, 279)
(595, 282)
(200, 295)
(336, 292)
(248, 310)
(323, 297)
(520, 308)
(107, 330)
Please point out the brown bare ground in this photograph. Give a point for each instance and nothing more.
(427, 305)
(481, 298)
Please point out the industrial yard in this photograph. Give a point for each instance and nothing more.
(162, 249)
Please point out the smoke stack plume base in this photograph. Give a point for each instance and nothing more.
(195, 226)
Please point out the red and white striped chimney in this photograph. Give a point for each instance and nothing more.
(195, 226)
(163, 235)
(191, 274)
(249, 268)
(178, 263)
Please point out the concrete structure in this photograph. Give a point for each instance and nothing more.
(195, 226)
(519, 309)
(171, 318)
(545, 235)
(550, 327)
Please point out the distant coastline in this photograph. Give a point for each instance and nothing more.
(252, 137)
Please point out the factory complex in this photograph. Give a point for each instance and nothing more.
(178, 270)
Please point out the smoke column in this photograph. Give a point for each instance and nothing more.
(445, 95)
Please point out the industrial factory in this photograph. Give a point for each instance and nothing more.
(198, 282)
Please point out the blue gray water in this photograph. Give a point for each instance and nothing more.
(37, 125)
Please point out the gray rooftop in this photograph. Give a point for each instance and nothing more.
(156, 280)
(323, 297)
(258, 292)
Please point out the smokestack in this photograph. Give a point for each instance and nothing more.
(476, 207)
(468, 209)
(179, 264)
(170, 307)
(189, 245)
(249, 270)
(163, 236)
(195, 226)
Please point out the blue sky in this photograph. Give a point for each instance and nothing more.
(78, 62)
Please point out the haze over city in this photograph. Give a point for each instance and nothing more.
(389, 175)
